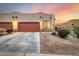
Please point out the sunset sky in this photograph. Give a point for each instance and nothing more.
(63, 12)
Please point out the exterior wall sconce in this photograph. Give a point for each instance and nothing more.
(50, 17)
(54, 19)
(40, 17)
(14, 17)
(72, 24)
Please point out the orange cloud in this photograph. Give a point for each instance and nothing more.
(63, 12)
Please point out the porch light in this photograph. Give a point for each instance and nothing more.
(40, 17)
(14, 17)
(50, 17)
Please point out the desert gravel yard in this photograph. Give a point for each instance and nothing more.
(20, 43)
(51, 44)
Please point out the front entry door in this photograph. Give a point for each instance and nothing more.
(46, 25)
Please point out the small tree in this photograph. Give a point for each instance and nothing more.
(63, 33)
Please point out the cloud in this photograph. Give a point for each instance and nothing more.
(63, 11)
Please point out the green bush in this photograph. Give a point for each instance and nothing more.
(63, 33)
(76, 31)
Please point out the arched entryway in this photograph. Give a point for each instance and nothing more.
(46, 25)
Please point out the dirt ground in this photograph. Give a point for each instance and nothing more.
(51, 44)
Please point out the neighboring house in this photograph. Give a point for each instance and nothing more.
(27, 22)
(71, 24)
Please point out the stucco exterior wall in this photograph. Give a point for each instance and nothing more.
(25, 17)
(15, 18)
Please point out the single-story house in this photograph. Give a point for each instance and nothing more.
(27, 22)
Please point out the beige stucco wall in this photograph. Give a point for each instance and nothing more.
(25, 17)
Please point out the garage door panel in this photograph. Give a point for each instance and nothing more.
(6, 25)
(29, 27)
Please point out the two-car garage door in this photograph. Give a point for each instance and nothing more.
(28, 26)
(22, 26)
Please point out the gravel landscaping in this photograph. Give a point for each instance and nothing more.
(51, 44)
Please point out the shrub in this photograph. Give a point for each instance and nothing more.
(63, 33)
(9, 31)
(76, 31)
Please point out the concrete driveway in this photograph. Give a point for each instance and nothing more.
(20, 43)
